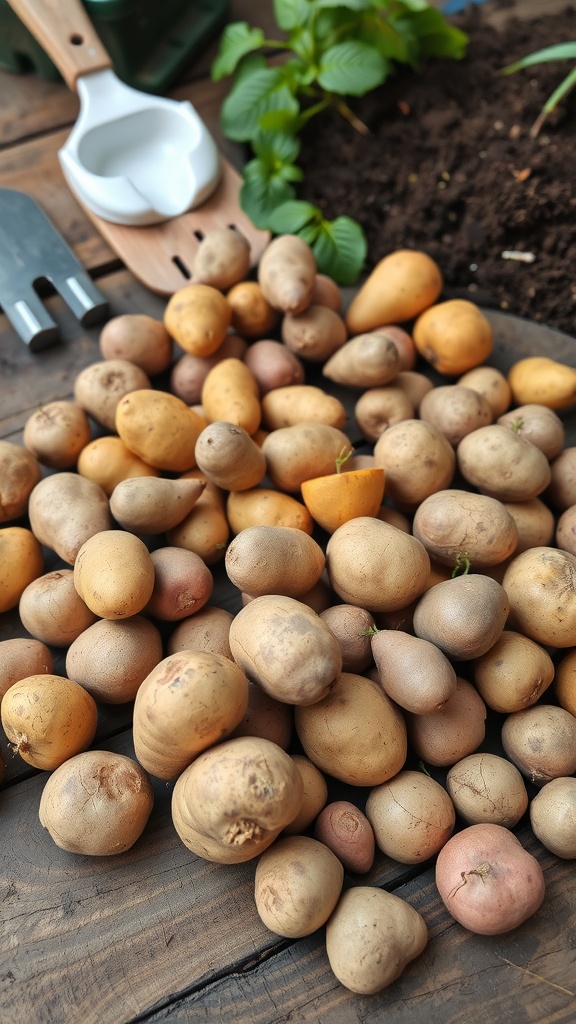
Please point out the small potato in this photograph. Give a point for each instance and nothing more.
(314, 798)
(501, 463)
(114, 574)
(205, 529)
(107, 461)
(228, 456)
(371, 938)
(252, 314)
(443, 737)
(97, 803)
(48, 718)
(207, 630)
(282, 644)
(453, 336)
(230, 393)
(301, 403)
(155, 504)
(266, 717)
(137, 338)
(492, 384)
(514, 673)
(565, 533)
(160, 429)
(20, 471)
(452, 522)
(183, 584)
(380, 408)
(463, 616)
(544, 381)
(274, 560)
(65, 509)
(417, 461)
(415, 385)
(541, 742)
(414, 673)
(273, 365)
(404, 344)
(455, 410)
(21, 562)
(352, 626)
(302, 451)
(539, 584)
(535, 523)
(345, 830)
(264, 506)
(189, 371)
(487, 788)
(365, 361)
(412, 816)
(538, 424)
(315, 334)
(287, 273)
(99, 388)
(561, 492)
(565, 682)
(400, 286)
(297, 884)
(20, 657)
(57, 433)
(553, 817)
(222, 258)
(51, 609)
(112, 657)
(197, 317)
(233, 801)
(327, 293)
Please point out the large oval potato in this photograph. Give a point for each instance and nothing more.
(114, 574)
(301, 403)
(274, 560)
(160, 428)
(65, 509)
(540, 584)
(51, 609)
(20, 471)
(455, 522)
(417, 460)
(302, 451)
(502, 463)
(21, 562)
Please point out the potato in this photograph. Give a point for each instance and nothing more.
(48, 718)
(233, 801)
(188, 702)
(264, 506)
(98, 388)
(415, 385)
(487, 788)
(414, 673)
(535, 523)
(205, 529)
(371, 938)
(230, 393)
(189, 371)
(565, 682)
(412, 816)
(57, 433)
(492, 384)
(285, 647)
(352, 627)
(20, 471)
(399, 287)
(65, 509)
(301, 403)
(20, 657)
(417, 461)
(51, 609)
(252, 314)
(377, 409)
(137, 338)
(207, 630)
(198, 316)
(365, 361)
(453, 522)
(297, 884)
(287, 273)
(228, 456)
(453, 336)
(355, 733)
(463, 616)
(544, 381)
(315, 334)
(345, 830)
(155, 504)
(267, 718)
(539, 584)
(327, 292)
(541, 742)
(21, 562)
(514, 673)
(444, 737)
(336, 498)
(274, 560)
(553, 817)
(114, 574)
(314, 797)
(565, 535)
(107, 461)
(455, 411)
(97, 803)
(538, 424)
(273, 365)
(302, 451)
(376, 566)
(160, 429)
(111, 657)
(404, 344)
(501, 463)
(222, 258)
(183, 584)
(487, 881)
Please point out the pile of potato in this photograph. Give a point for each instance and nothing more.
(391, 598)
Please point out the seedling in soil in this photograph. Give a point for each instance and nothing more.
(562, 51)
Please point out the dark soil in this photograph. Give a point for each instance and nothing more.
(450, 167)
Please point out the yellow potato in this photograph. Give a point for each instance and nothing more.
(160, 429)
(205, 529)
(114, 574)
(20, 471)
(300, 403)
(230, 393)
(544, 381)
(107, 460)
(401, 285)
(21, 561)
(453, 336)
(198, 317)
(264, 506)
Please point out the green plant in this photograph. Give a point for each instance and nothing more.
(331, 50)
(562, 51)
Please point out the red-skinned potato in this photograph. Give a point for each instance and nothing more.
(183, 584)
(347, 832)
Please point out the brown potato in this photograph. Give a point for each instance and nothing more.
(287, 273)
(487, 788)
(274, 560)
(382, 407)
(228, 456)
(205, 529)
(99, 388)
(514, 673)
(541, 742)
(114, 574)
(48, 718)
(314, 797)
(538, 424)
(552, 813)
(273, 365)
(57, 433)
(463, 616)
(301, 403)
(453, 522)
(540, 586)
(565, 682)
(535, 523)
(189, 371)
(207, 630)
(327, 292)
(264, 506)
(297, 884)
(160, 429)
(565, 533)
(51, 609)
(66, 509)
(443, 737)
(222, 258)
(20, 471)
(501, 463)
(315, 334)
(417, 461)
(352, 626)
(183, 584)
(198, 316)
(412, 816)
(365, 361)
(455, 410)
(155, 504)
(20, 657)
(415, 385)
(561, 492)
(414, 673)
(345, 830)
(107, 461)
(302, 451)
(112, 657)
(492, 384)
(266, 717)
(137, 338)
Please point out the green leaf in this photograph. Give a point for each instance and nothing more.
(252, 96)
(291, 217)
(237, 40)
(352, 69)
(262, 191)
(340, 250)
(279, 120)
(291, 13)
(349, 5)
(563, 51)
(428, 34)
(277, 148)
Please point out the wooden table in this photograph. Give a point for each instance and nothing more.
(156, 933)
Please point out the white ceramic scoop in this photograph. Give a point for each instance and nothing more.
(131, 158)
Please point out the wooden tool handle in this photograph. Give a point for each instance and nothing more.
(65, 32)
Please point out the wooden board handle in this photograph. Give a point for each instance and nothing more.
(65, 32)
